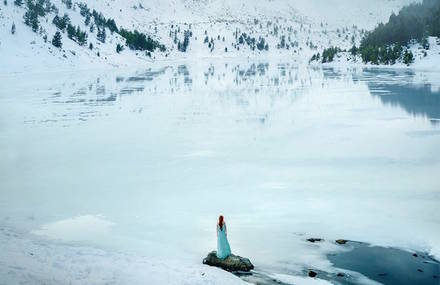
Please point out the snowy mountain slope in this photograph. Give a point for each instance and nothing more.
(339, 13)
(335, 12)
(307, 26)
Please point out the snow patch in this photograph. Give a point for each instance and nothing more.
(79, 228)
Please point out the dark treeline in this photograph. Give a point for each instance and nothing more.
(328, 55)
(98, 18)
(40, 8)
(36, 9)
(76, 34)
(252, 42)
(139, 41)
(134, 39)
(414, 22)
(386, 43)
(389, 42)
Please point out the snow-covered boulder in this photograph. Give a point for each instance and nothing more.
(231, 263)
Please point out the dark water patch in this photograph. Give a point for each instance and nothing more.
(398, 88)
(389, 266)
(416, 100)
(435, 121)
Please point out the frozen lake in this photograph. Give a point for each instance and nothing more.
(143, 161)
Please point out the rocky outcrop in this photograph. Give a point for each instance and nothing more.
(231, 263)
(341, 241)
(314, 239)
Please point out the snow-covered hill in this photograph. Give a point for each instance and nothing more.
(290, 29)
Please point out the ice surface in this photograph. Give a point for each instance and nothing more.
(290, 279)
(78, 228)
(147, 159)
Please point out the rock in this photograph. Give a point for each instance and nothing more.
(419, 270)
(415, 254)
(340, 274)
(341, 241)
(312, 273)
(314, 239)
(230, 263)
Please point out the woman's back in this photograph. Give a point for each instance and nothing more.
(223, 248)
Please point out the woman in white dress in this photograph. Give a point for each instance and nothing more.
(223, 248)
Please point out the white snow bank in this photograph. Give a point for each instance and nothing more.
(25, 260)
(77, 228)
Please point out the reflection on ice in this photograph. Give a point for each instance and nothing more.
(401, 88)
(416, 100)
(238, 83)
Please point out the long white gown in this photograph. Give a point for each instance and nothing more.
(223, 248)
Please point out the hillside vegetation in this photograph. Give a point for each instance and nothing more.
(389, 43)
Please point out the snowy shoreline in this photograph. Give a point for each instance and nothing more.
(32, 259)
(428, 64)
(27, 258)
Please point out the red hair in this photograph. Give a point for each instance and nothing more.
(220, 221)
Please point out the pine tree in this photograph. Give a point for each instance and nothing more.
(71, 33)
(68, 3)
(66, 20)
(87, 21)
(353, 50)
(56, 41)
(56, 21)
(408, 57)
(111, 24)
(18, 2)
(81, 36)
(119, 48)
(5, 2)
(101, 35)
(61, 23)
(184, 46)
(13, 28)
(31, 19)
(90, 46)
